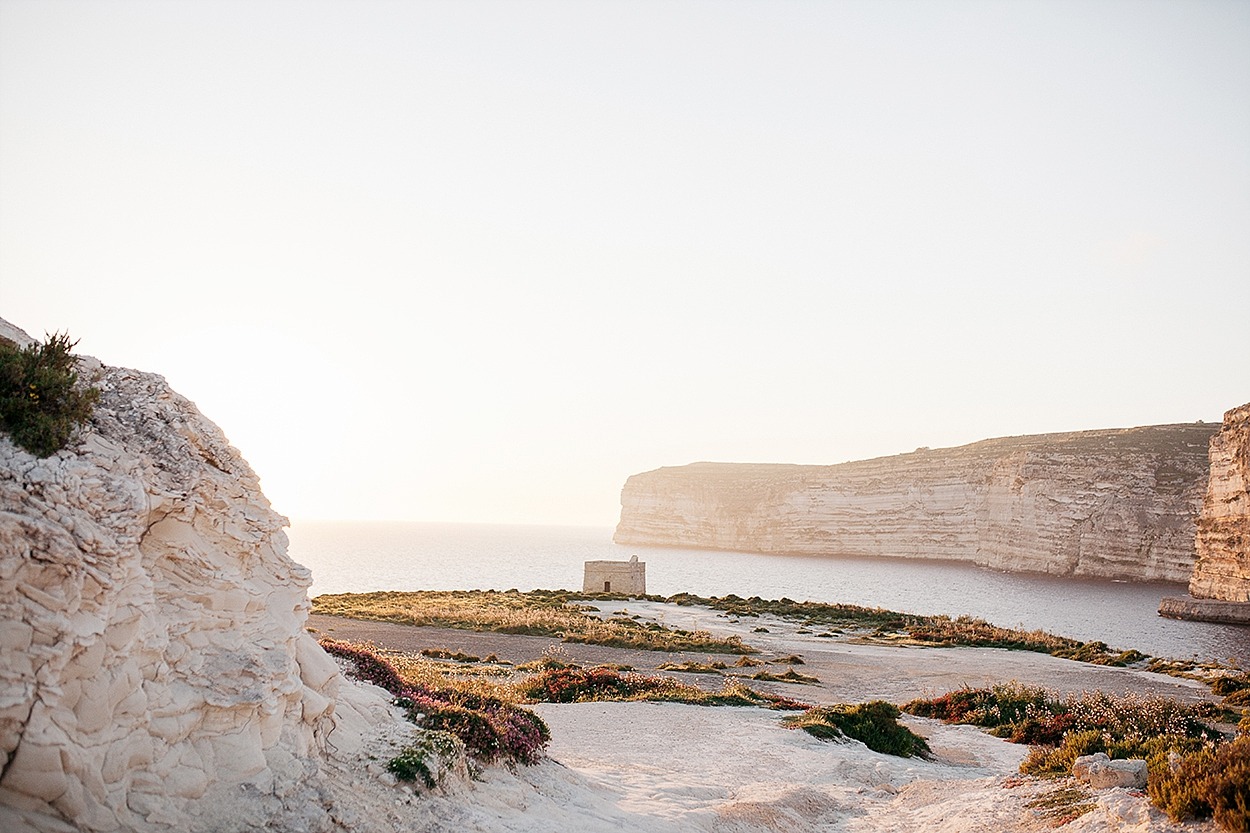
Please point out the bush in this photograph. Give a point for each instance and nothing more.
(1012, 706)
(40, 401)
(1210, 782)
(875, 724)
(413, 762)
(488, 727)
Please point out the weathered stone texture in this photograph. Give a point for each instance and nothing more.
(1222, 569)
(156, 674)
(1114, 504)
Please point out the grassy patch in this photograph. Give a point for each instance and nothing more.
(792, 659)
(428, 759)
(1062, 804)
(693, 667)
(538, 613)
(875, 724)
(455, 656)
(577, 685)
(880, 625)
(790, 676)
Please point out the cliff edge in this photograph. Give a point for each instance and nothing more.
(157, 675)
(1222, 569)
(1115, 504)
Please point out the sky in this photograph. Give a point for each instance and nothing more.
(481, 261)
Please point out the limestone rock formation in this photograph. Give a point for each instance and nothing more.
(1113, 504)
(1222, 569)
(156, 673)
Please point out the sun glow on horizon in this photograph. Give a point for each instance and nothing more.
(480, 262)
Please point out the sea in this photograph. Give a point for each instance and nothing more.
(363, 556)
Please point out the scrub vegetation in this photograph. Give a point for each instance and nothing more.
(879, 625)
(537, 613)
(578, 685)
(490, 728)
(567, 615)
(1194, 770)
(875, 724)
(41, 402)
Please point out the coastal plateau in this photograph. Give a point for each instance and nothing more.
(1117, 504)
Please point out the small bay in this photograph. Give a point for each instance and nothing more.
(359, 556)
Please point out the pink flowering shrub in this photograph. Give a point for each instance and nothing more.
(490, 728)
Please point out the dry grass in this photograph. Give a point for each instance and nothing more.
(537, 613)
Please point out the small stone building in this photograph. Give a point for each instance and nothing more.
(629, 577)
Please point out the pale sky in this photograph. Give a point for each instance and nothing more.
(481, 261)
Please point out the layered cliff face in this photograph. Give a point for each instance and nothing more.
(1222, 569)
(156, 673)
(1113, 504)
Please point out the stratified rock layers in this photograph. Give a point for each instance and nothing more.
(156, 674)
(1222, 569)
(1112, 504)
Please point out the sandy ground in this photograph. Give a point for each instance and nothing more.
(661, 767)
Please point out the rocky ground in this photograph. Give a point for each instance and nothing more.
(667, 767)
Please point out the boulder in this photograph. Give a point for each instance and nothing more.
(1081, 767)
(1129, 773)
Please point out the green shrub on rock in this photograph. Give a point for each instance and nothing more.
(41, 402)
(875, 724)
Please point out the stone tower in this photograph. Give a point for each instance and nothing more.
(628, 577)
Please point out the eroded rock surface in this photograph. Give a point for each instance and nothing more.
(1222, 570)
(156, 673)
(1113, 504)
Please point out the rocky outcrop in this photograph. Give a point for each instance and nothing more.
(1222, 569)
(156, 673)
(1113, 504)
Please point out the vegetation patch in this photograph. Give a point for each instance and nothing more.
(577, 685)
(537, 613)
(489, 727)
(428, 760)
(880, 625)
(790, 676)
(693, 667)
(1212, 782)
(792, 659)
(455, 656)
(1194, 772)
(875, 724)
(1062, 805)
(41, 402)
(1123, 726)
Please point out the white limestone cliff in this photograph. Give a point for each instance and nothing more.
(1222, 569)
(156, 672)
(1111, 504)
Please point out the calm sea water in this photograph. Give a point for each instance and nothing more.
(355, 557)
